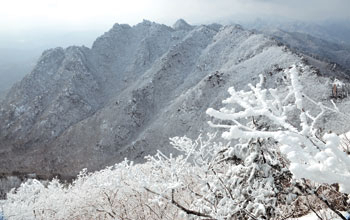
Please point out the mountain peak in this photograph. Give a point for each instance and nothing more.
(117, 26)
(146, 22)
(181, 24)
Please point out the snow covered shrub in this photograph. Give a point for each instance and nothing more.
(209, 180)
(242, 181)
(311, 156)
(112, 193)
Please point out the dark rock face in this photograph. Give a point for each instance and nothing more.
(136, 87)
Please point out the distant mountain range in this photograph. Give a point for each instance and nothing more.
(322, 49)
(335, 31)
(137, 86)
(326, 41)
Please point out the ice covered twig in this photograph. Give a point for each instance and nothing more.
(311, 156)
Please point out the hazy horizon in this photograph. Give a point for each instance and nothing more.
(20, 15)
(20, 20)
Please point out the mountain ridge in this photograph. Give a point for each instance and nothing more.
(136, 87)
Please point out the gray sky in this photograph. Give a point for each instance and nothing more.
(19, 15)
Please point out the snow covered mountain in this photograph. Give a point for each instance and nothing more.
(136, 87)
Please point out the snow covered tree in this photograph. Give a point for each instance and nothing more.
(311, 155)
(239, 181)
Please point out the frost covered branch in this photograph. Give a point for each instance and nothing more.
(317, 158)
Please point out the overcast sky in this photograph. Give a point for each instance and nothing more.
(17, 15)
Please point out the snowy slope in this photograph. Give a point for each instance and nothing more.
(136, 87)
